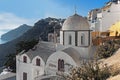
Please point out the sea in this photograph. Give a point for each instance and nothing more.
(2, 32)
(2, 42)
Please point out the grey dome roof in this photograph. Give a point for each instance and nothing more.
(75, 22)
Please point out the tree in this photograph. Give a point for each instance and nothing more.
(11, 62)
(11, 58)
(89, 71)
(25, 45)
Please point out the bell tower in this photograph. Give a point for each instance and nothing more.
(75, 32)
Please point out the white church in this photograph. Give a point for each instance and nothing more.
(48, 59)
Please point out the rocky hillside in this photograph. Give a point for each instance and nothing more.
(39, 30)
(113, 63)
(114, 77)
(13, 34)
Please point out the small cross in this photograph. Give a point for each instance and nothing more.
(75, 9)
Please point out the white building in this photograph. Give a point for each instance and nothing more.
(7, 75)
(32, 63)
(47, 59)
(106, 16)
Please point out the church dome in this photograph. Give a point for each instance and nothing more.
(75, 22)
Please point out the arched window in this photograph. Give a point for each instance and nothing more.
(24, 76)
(24, 59)
(70, 40)
(82, 39)
(60, 65)
(37, 62)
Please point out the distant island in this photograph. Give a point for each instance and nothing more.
(41, 29)
(15, 33)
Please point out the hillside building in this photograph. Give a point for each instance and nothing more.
(102, 19)
(105, 22)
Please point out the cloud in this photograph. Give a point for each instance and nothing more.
(55, 9)
(48, 8)
(11, 21)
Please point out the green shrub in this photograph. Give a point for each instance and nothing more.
(108, 48)
(89, 71)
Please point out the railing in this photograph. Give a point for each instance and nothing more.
(99, 40)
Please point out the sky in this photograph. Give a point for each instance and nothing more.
(17, 12)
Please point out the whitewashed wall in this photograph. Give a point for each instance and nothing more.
(86, 41)
(24, 67)
(52, 62)
(66, 37)
(110, 18)
(30, 67)
(72, 34)
(38, 70)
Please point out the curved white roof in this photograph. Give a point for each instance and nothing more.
(74, 54)
(77, 56)
(76, 22)
(42, 49)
